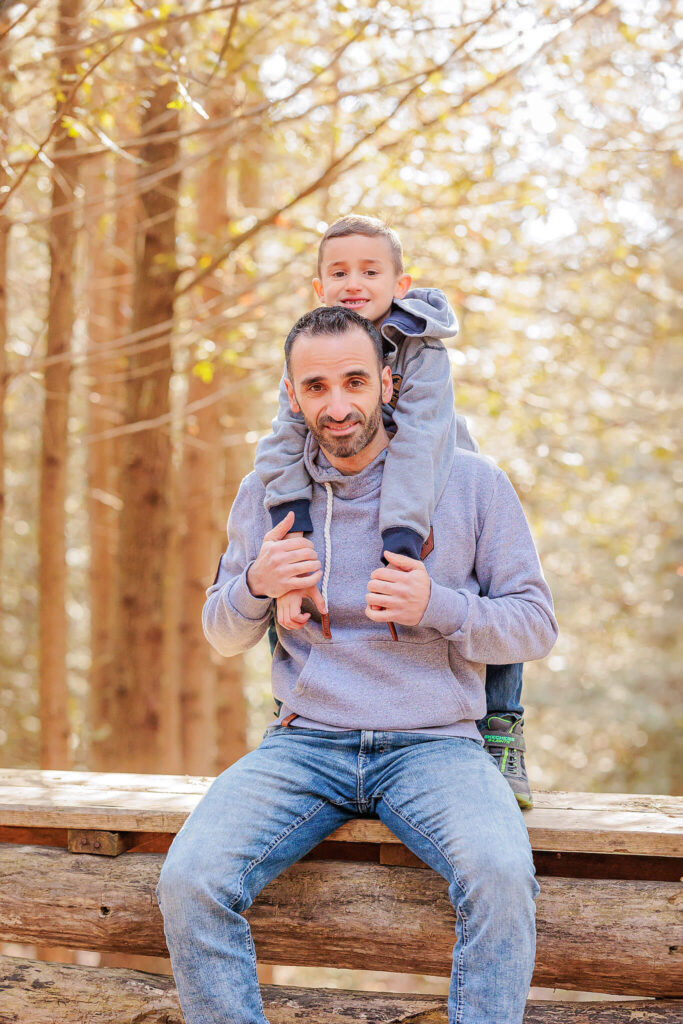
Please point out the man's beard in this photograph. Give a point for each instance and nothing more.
(347, 447)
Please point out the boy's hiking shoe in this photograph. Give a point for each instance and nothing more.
(504, 741)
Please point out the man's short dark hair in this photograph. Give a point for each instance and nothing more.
(371, 227)
(332, 320)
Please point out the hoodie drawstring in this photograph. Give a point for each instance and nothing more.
(325, 617)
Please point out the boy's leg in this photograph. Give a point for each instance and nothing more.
(503, 691)
(259, 816)
(467, 826)
(503, 727)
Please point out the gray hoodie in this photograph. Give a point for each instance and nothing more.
(422, 414)
(489, 603)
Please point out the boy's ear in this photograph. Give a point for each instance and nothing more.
(318, 288)
(402, 285)
(387, 384)
(293, 404)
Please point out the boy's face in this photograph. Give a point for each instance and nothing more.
(358, 272)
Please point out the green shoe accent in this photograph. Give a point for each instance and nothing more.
(504, 741)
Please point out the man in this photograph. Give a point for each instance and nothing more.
(366, 721)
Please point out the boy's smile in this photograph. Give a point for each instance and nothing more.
(358, 272)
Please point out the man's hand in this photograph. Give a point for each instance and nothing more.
(283, 563)
(400, 592)
(289, 613)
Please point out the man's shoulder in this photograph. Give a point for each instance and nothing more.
(474, 470)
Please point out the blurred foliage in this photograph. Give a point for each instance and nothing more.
(529, 155)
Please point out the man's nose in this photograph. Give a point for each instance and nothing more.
(338, 406)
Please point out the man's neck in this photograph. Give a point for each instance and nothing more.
(355, 463)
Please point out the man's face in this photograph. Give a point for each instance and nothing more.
(358, 272)
(335, 383)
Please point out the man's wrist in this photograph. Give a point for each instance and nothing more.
(254, 582)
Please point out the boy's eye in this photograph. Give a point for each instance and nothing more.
(372, 273)
(338, 273)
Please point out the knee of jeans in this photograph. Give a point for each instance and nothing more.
(508, 872)
(185, 882)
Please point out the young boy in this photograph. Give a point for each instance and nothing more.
(360, 267)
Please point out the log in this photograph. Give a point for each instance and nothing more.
(616, 936)
(32, 992)
(638, 824)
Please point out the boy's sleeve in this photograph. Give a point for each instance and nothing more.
(280, 466)
(420, 453)
(512, 619)
(233, 618)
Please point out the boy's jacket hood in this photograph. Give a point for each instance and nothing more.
(422, 312)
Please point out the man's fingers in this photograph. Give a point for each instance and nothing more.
(382, 586)
(379, 614)
(282, 528)
(401, 561)
(317, 599)
(302, 582)
(390, 575)
(381, 600)
(297, 544)
(302, 568)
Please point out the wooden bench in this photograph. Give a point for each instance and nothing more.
(609, 913)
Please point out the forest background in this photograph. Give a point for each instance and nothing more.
(166, 171)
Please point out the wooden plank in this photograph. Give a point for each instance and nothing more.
(41, 993)
(121, 802)
(99, 842)
(564, 865)
(623, 937)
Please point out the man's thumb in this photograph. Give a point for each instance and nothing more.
(282, 528)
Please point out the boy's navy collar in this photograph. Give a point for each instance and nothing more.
(409, 324)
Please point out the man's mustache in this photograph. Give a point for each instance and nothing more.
(324, 421)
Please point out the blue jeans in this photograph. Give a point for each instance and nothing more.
(442, 796)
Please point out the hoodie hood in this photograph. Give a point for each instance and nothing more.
(422, 312)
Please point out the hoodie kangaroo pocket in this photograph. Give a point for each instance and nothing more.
(379, 684)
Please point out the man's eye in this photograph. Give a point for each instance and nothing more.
(315, 387)
(358, 383)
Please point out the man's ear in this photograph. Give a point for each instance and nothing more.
(318, 288)
(402, 285)
(387, 384)
(293, 404)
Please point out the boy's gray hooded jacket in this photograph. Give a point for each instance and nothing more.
(489, 603)
(422, 414)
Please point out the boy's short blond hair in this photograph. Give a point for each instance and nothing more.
(355, 224)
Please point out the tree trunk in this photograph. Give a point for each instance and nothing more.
(114, 263)
(5, 105)
(38, 994)
(202, 472)
(135, 685)
(54, 751)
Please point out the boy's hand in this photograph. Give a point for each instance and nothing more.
(283, 563)
(398, 592)
(289, 613)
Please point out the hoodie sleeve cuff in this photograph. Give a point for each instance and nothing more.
(446, 611)
(401, 540)
(246, 604)
(302, 515)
